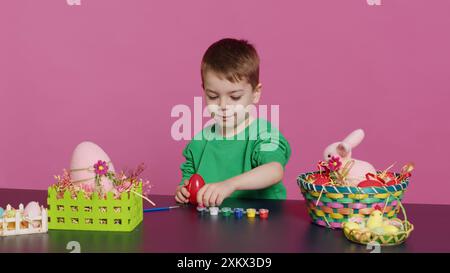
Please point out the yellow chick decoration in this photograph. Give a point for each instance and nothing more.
(376, 224)
(375, 219)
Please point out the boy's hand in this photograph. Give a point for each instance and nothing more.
(182, 194)
(212, 195)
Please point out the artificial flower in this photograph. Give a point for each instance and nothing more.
(101, 168)
(334, 163)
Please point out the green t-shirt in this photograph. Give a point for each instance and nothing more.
(217, 158)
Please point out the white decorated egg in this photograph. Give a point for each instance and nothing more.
(32, 210)
(83, 166)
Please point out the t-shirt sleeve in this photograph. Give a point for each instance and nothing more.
(187, 167)
(271, 147)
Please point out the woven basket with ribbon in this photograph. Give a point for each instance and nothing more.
(330, 205)
(365, 236)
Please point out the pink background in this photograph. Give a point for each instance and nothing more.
(110, 71)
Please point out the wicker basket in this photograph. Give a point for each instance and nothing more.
(365, 237)
(330, 206)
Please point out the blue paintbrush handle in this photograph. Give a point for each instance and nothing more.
(159, 209)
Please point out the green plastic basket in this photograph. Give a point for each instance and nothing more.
(81, 213)
(331, 206)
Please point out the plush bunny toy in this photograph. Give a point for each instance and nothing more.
(343, 150)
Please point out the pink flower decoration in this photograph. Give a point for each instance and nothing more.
(334, 163)
(124, 187)
(101, 168)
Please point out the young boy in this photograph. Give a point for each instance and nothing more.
(238, 156)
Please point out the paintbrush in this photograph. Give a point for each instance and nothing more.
(161, 209)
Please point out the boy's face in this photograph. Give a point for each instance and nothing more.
(227, 101)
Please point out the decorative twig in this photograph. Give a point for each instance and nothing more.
(148, 200)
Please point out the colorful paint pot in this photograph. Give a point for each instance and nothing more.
(201, 209)
(226, 212)
(214, 210)
(263, 213)
(251, 213)
(238, 213)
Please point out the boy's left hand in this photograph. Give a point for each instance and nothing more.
(212, 195)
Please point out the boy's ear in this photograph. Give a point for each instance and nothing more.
(257, 93)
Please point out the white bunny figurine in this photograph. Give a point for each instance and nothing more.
(343, 150)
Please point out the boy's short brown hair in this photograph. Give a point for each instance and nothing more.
(234, 59)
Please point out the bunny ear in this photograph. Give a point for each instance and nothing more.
(343, 149)
(354, 138)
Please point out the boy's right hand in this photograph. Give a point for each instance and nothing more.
(182, 194)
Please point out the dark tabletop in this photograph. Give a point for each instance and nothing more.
(184, 230)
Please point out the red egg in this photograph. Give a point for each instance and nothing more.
(194, 185)
(370, 183)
